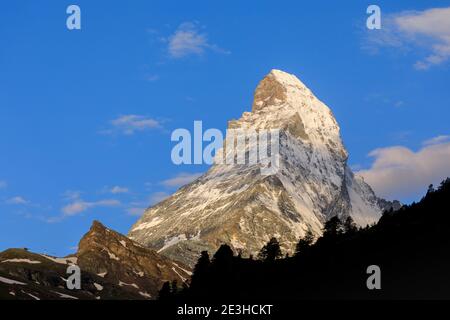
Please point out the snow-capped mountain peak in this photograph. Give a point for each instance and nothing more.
(236, 204)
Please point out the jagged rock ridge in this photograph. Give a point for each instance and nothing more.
(112, 267)
(236, 204)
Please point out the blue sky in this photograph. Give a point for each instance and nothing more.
(86, 115)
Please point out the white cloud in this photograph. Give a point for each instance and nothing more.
(117, 190)
(428, 30)
(3, 184)
(71, 195)
(131, 123)
(75, 208)
(79, 206)
(189, 40)
(181, 179)
(399, 172)
(436, 140)
(17, 200)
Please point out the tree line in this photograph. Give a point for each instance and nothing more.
(411, 246)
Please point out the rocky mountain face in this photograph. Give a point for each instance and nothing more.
(112, 267)
(237, 205)
(126, 263)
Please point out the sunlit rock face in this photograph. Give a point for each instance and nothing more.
(237, 205)
(111, 266)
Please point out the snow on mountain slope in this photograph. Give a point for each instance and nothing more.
(236, 204)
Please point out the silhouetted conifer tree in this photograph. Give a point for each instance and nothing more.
(350, 226)
(202, 264)
(165, 293)
(413, 236)
(271, 251)
(174, 287)
(304, 243)
(200, 271)
(223, 256)
(332, 228)
(221, 271)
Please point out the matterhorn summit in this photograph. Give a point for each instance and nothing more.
(237, 205)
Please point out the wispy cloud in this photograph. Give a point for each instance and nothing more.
(384, 99)
(399, 104)
(76, 205)
(117, 190)
(80, 206)
(130, 124)
(136, 211)
(437, 140)
(3, 184)
(401, 136)
(152, 77)
(428, 30)
(188, 39)
(72, 195)
(137, 208)
(158, 197)
(17, 200)
(180, 180)
(399, 172)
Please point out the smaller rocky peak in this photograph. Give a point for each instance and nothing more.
(99, 236)
(98, 226)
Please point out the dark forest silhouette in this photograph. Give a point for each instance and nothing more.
(411, 246)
